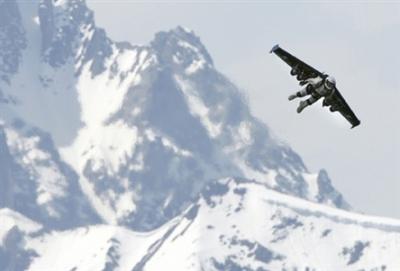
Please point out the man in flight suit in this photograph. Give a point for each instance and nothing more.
(315, 87)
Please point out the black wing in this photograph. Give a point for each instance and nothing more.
(300, 69)
(303, 71)
(338, 103)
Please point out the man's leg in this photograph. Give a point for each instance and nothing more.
(303, 92)
(308, 102)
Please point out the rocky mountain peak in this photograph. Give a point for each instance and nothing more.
(141, 129)
(180, 47)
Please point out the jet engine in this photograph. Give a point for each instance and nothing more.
(294, 71)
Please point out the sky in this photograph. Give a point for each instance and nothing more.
(356, 42)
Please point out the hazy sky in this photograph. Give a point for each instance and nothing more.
(357, 43)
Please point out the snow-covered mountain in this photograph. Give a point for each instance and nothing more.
(235, 224)
(114, 154)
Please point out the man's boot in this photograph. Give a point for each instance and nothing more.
(293, 96)
(302, 105)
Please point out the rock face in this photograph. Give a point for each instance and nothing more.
(36, 182)
(98, 132)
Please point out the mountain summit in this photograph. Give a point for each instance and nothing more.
(144, 128)
(148, 141)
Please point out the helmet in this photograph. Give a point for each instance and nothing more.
(330, 82)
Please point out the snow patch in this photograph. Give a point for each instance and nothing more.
(198, 108)
(10, 219)
(51, 183)
(312, 182)
(195, 66)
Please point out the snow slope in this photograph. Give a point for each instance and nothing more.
(235, 224)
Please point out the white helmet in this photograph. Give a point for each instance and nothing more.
(330, 82)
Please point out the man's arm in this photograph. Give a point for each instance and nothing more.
(315, 82)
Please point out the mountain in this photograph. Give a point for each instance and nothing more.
(105, 145)
(235, 224)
